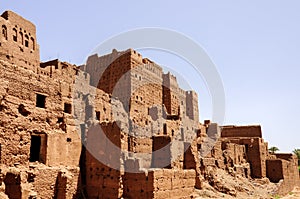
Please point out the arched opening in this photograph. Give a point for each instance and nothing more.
(15, 35)
(32, 43)
(26, 41)
(4, 31)
(21, 38)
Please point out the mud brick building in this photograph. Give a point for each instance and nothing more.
(116, 127)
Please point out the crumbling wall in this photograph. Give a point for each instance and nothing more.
(275, 170)
(36, 129)
(20, 99)
(286, 168)
(40, 181)
(255, 148)
(159, 184)
(138, 119)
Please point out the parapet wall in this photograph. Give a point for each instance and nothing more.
(241, 131)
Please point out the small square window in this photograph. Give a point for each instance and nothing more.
(67, 108)
(40, 101)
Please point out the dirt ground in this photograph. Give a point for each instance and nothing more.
(295, 194)
(259, 193)
(232, 187)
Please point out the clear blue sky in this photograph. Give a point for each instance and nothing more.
(254, 44)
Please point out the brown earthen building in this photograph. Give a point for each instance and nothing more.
(116, 127)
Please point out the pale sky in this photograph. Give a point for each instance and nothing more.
(254, 45)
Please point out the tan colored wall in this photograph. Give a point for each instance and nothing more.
(161, 115)
(102, 180)
(241, 131)
(289, 164)
(160, 184)
(17, 52)
(274, 170)
(170, 94)
(41, 182)
(255, 148)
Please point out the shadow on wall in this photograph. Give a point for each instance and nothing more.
(12, 183)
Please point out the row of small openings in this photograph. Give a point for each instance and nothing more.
(138, 76)
(98, 113)
(165, 132)
(137, 97)
(41, 103)
(136, 53)
(45, 73)
(23, 42)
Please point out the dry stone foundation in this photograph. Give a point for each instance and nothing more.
(115, 127)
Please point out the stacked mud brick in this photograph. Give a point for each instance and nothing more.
(115, 127)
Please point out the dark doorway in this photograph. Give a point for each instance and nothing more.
(35, 148)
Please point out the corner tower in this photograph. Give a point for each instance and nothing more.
(192, 105)
(18, 41)
(170, 91)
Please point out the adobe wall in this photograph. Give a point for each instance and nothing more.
(256, 155)
(192, 105)
(19, 101)
(256, 149)
(40, 181)
(290, 172)
(274, 170)
(227, 156)
(140, 84)
(170, 93)
(138, 120)
(241, 131)
(96, 66)
(161, 156)
(160, 184)
(146, 87)
(37, 133)
(103, 161)
(101, 181)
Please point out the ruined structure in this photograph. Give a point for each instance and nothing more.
(115, 127)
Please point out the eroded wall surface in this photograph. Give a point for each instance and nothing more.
(115, 127)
